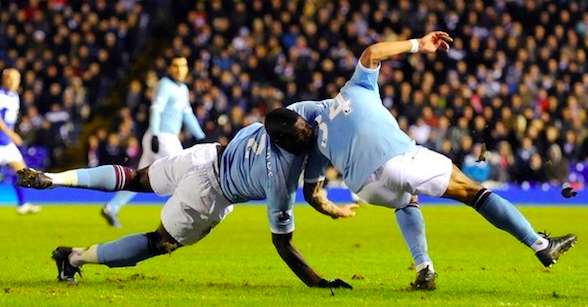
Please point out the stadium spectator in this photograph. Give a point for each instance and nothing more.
(557, 168)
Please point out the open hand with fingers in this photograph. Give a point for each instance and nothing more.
(434, 41)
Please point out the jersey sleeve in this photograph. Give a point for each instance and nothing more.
(365, 77)
(191, 123)
(307, 109)
(161, 98)
(280, 205)
(315, 166)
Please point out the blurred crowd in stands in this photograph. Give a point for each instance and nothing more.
(69, 53)
(511, 91)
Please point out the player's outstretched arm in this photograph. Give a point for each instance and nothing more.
(315, 195)
(294, 260)
(16, 139)
(374, 54)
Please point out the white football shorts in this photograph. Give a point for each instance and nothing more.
(197, 203)
(9, 153)
(421, 171)
(169, 144)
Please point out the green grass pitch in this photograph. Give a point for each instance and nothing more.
(237, 264)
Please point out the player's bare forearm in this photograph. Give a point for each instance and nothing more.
(294, 260)
(374, 54)
(315, 195)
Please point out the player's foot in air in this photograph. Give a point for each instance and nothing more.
(557, 247)
(425, 280)
(65, 271)
(28, 209)
(31, 178)
(110, 217)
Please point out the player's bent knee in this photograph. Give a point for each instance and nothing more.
(143, 177)
(161, 242)
(462, 188)
(138, 180)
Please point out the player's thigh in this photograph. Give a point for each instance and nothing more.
(194, 209)
(379, 193)
(166, 173)
(426, 172)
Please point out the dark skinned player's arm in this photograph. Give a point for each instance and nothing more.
(294, 260)
(317, 198)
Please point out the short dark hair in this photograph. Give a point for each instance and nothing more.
(289, 130)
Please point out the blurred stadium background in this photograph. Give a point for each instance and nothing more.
(514, 84)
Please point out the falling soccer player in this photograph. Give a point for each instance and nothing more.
(262, 161)
(170, 108)
(385, 167)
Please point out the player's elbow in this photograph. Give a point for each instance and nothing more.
(369, 57)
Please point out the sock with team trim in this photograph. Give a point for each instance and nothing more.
(412, 225)
(105, 178)
(126, 251)
(504, 215)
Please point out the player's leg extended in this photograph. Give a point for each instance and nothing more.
(383, 190)
(412, 225)
(23, 207)
(504, 215)
(103, 178)
(124, 252)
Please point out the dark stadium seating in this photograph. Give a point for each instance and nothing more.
(513, 85)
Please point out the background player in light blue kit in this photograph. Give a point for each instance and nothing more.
(9, 139)
(204, 181)
(170, 108)
(385, 167)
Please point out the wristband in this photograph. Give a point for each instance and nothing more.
(414, 45)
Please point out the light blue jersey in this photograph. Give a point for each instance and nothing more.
(171, 108)
(356, 132)
(253, 169)
(9, 106)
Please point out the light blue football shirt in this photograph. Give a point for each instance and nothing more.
(9, 106)
(253, 169)
(170, 108)
(355, 131)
